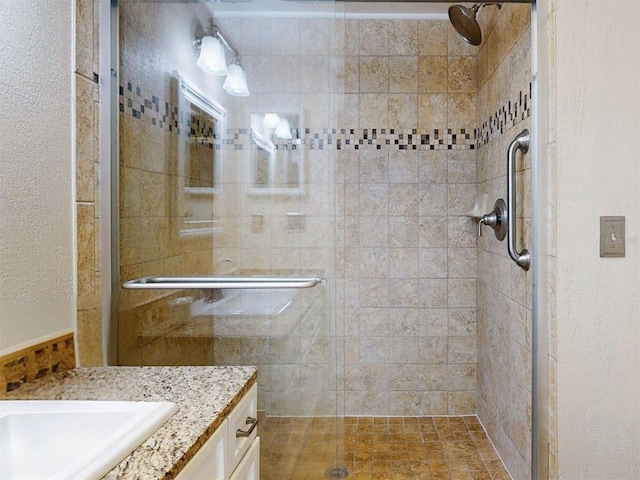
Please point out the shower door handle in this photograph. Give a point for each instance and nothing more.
(521, 142)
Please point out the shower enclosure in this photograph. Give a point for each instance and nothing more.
(316, 223)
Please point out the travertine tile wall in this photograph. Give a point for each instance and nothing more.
(89, 329)
(36, 361)
(406, 253)
(290, 72)
(295, 352)
(154, 325)
(504, 290)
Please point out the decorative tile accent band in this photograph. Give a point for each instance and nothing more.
(509, 114)
(136, 103)
(37, 361)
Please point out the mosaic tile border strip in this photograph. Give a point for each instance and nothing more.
(139, 104)
(136, 103)
(37, 361)
(364, 139)
(508, 115)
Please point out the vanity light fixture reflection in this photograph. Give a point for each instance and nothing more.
(236, 82)
(270, 120)
(212, 59)
(210, 49)
(283, 130)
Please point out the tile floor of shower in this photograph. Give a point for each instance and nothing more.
(377, 448)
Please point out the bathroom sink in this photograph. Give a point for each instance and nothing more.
(64, 439)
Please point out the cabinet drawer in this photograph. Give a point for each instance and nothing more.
(249, 467)
(243, 422)
(211, 459)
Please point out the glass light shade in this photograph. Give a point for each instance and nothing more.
(283, 130)
(211, 59)
(270, 120)
(236, 82)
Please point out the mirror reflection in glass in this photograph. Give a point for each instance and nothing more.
(277, 159)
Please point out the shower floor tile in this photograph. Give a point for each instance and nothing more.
(377, 448)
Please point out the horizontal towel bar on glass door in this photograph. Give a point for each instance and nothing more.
(222, 282)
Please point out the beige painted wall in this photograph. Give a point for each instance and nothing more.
(37, 291)
(598, 173)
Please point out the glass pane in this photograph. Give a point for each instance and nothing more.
(214, 184)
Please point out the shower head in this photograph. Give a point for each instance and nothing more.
(464, 21)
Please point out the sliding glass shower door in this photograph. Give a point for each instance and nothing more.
(218, 180)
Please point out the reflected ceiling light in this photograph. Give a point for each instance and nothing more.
(212, 59)
(283, 130)
(270, 120)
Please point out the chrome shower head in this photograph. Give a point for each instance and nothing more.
(464, 21)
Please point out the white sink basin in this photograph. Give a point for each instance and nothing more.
(60, 439)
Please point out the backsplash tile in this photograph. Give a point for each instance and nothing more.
(37, 361)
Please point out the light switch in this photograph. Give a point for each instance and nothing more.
(612, 236)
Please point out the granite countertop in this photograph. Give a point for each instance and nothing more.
(205, 396)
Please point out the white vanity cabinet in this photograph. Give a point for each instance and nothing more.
(233, 451)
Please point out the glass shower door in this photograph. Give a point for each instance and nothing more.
(213, 184)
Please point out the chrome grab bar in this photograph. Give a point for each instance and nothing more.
(188, 282)
(521, 142)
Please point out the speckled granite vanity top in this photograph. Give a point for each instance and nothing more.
(205, 396)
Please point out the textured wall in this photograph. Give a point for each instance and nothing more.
(504, 290)
(598, 311)
(36, 227)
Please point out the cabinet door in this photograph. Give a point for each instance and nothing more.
(249, 466)
(242, 426)
(210, 461)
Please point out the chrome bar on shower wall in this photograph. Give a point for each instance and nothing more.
(189, 282)
(521, 142)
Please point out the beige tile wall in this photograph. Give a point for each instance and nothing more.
(154, 327)
(290, 71)
(504, 290)
(89, 329)
(405, 253)
(36, 361)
